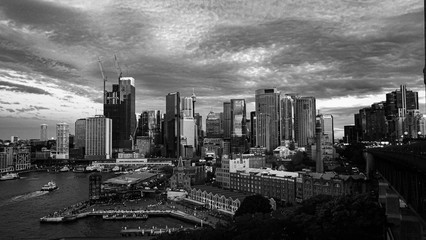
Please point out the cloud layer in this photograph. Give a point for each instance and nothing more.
(342, 52)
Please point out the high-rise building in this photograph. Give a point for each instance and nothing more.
(238, 126)
(200, 134)
(287, 117)
(227, 120)
(188, 128)
(213, 125)
(120, 107)
(172, 125)
(98, 138)
(253, 121)
(80, 133)
(327, 126)
(304, 123)
(62, 140)
(398, 103)
(268, 118)
(349, 134)
(43, 132)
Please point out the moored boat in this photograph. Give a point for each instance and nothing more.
(9, 176)
(50, 186)
(64, 169)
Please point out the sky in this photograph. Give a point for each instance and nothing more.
(345, 53)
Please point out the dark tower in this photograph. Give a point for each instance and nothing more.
(172, 124)
(120, 107)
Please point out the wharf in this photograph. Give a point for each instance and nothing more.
(129, 213)
(128, 232)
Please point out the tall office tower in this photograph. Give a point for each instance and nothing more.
(318, 137)
(98, 138)
(120, 107)
(268, 118)
(187, 127)
(304, 122)
(172, 125)
(226, 120)
(327, 126)
(200, 134)
(149, 124)
(397, 104)
(80, 133)
(43, 132)
(287, 117)
(253, 120)
(213, 125)
(238, 126)
(62, 140)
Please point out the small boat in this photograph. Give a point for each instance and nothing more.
(9, 176)
(64, 169)
(90, 168)
(79, 169)
(50, 186)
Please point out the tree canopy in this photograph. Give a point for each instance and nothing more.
(254, 204)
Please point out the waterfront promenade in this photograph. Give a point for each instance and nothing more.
(130, 209)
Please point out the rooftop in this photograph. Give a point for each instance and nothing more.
(131, 178)
(224, 192)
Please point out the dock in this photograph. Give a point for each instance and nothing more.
(131, 214)
(128, 232)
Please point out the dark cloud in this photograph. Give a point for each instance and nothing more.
(22, 88)
(10, 110)
(38, 107)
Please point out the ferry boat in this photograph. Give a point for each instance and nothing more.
(50, 186)
(79, 169)
(9, 176)
(64, 169)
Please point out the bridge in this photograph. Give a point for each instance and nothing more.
(403, 168)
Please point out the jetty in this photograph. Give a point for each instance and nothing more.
(130, 215)
(128, 232)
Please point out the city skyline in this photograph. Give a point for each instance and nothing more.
(347, 55)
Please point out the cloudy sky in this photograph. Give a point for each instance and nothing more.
(346, 53)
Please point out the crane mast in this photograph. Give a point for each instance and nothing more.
(103, 78)
(117, 68)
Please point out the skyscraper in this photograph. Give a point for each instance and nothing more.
(304, 123)
(287, 117)
(43, 132)
(226, 120)
(238, 126)
(213, 125)
(319, 166)
(62, 140)
(80, 133)
(120, 107)
(253, 122)
(397, 104)
(172, 125)
(268, 118)
(98, 138)
(188, 129)
(327, 126)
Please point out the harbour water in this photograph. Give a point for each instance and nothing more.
(22, 204)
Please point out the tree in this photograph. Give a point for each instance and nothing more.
(254, 204)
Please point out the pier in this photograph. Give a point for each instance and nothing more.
(129, 215)
(128, 232)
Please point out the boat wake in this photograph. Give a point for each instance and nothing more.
(23, 197)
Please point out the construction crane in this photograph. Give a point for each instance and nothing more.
(117, 68)
(103, 77)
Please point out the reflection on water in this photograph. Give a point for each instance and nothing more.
(22, 204)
